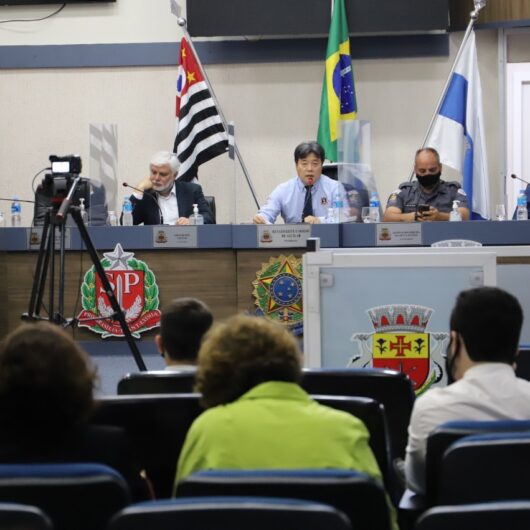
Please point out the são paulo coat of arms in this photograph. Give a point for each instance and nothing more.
(400, 342)
(135, 287)
(278, 291)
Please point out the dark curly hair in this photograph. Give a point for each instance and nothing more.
(241, 353)
(45, 381)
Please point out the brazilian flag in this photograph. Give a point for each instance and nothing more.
(338, 93)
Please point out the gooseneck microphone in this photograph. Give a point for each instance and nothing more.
(143, 192)
(515, 177)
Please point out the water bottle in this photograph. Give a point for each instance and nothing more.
(16, 210)
(374, 208)
(196, 218)
(455, 214)
(82, 211)
(112, 218)
(127, 219)
(522, 210)
(337, 205)
(332, 216)
(2, 220)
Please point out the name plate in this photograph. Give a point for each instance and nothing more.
(395, 234)
(271, 236)
(34, 237)
(175, 236)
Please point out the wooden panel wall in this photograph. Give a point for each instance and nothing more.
(494, 11)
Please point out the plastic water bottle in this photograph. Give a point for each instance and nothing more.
(374, 208)
(82, 211)
(522, 210)
(455, 214)
(337, 204)
(112, 218)
(127, 219)
(16, 211)
(196, 218)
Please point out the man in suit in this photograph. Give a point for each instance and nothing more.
(165, 200)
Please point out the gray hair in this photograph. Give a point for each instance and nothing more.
(166, 157)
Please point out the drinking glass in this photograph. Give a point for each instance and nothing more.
(365, 214)
(500, 212)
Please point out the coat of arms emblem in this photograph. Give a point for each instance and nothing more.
(136, 290)
(400, 342)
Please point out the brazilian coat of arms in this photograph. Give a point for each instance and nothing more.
(278, 291)
(135, 288)
(399, 342)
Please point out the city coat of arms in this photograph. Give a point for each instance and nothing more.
(400, 342)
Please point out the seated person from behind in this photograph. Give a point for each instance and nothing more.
(485, 328)
(184, 322)
(166, 197)
(305, 198)
(258, 416)
(46, 399)
(427, 190)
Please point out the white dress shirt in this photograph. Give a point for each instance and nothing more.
(488, 391)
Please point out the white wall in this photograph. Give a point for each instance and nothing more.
(274, 106)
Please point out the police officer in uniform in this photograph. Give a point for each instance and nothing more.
(428, 198)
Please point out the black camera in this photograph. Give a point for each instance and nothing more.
(66, 164)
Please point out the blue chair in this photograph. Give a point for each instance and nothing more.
(392, 389)
(359, 496)
(486, 467)
(448, 433)
(23, 517)
(74, 496)
(510, 515)
(230, 513)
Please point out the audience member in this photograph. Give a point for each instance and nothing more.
(46, 399)
(485, 327)
(259, 417)
(184, 322)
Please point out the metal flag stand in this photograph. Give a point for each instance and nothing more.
(183, 23)
(479, 4)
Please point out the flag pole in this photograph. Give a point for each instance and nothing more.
(479, 4)
(183, 23)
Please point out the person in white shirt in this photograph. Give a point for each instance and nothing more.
(183, 324)
(485, 328)
(305, 198)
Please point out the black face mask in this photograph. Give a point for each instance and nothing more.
(428, 181)
(450, 359)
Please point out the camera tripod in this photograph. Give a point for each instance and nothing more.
(54, 222)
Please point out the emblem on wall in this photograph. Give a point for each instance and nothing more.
(278, 292)
(136, 290)
(400, 342)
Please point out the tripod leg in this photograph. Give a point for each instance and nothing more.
(120, 316)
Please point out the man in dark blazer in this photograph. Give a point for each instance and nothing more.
(165, 200)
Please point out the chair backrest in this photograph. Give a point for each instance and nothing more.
(457, 243)
(512, 515)
(210, 199)
(360, 497)
(392, 389)
(23, 517)
(157, 382)
(156, 426)
(486, 467)
(75, 496)
(372, 414)
(444, 435)
(230, 513)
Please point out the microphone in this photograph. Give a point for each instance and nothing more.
(515, 177)
(145, 194)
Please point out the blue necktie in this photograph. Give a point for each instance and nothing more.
(308, 203)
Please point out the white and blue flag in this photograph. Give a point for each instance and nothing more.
(458, 130)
